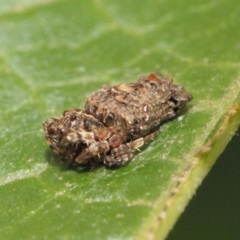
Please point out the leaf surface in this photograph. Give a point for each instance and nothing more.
(55, 53)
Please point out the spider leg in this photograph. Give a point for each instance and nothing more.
(124, 153)
(86, 146)
(93, 150)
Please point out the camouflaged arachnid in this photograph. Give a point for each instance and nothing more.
(116, 121)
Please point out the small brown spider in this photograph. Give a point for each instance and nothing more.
(116, 121)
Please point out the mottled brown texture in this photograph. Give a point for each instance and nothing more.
(116, 121)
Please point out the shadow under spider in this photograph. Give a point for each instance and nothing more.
(56, 161)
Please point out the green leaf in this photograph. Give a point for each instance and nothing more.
(55, 53)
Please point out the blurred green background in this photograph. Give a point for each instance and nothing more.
(214, 211)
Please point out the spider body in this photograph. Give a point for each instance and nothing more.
(116, 121)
